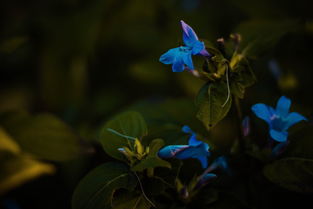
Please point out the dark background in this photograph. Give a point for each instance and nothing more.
(84, 61)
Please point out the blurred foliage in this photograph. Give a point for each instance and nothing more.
(86, 61)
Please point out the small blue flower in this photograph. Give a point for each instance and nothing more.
(279, 119)
(180, 57)
(206, 178)
(195, 149)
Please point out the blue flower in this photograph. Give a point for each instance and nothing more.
(279, 119)
(195, 149)
(180, 57)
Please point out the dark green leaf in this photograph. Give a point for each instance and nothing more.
(295, 174)
(133, 202)
(151, 162)
(129, 124)
(43, 135)
(210, 101)
(260, 35)
(242, 78)
(96, 189)
(155, 146)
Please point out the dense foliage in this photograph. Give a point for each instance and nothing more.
(108, 104)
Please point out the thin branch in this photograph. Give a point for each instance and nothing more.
(143, 192)
(228, 88)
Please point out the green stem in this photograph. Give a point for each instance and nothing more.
(239, 121)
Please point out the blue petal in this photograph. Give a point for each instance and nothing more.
(283, 105)
(203, 160)
(197, 47)
(200, 152)
(193, 141)
(178, 65)
(171, 150)
(169, 56)
(208, 176)
(186, 129)
(293, 118)
(189, 36)
(263, 111)
(188, 61)
(190, 152)
(280, 136)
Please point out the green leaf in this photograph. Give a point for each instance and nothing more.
(127, 123)
(155, 146)
(152, 160)
(44, 136)
(18, 169)
(131, 201)
(96, 189)
(295, 174)
(210, 101)
(242, 78)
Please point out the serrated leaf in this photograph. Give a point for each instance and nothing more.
(210, 101)
(152, 160)
(96, 189)
(18, 169)
(43, 135)
(295, 174)
(128, 123)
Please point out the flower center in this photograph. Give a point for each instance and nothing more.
(278, 123)
(184, 49)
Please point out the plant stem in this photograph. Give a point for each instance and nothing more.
(239, 121)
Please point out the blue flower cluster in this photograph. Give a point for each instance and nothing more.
(180, 57)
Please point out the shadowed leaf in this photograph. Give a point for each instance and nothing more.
(96, 189)
(129, 124)
(43, 135)
(295, 174)
(18, 169)
(210, 101)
